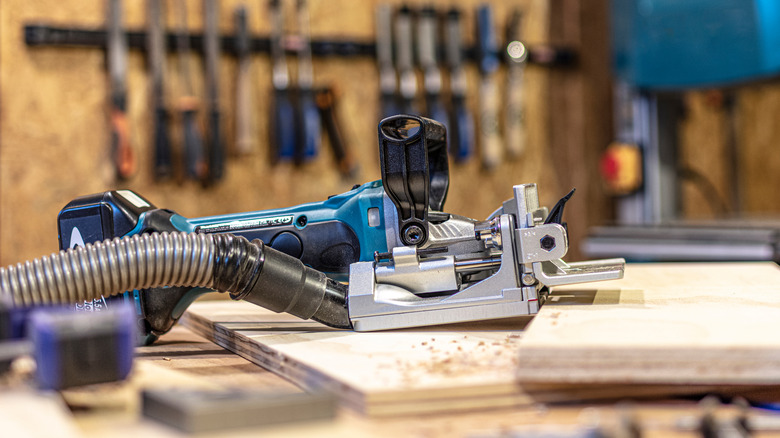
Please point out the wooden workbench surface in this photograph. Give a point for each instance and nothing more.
(183, 359)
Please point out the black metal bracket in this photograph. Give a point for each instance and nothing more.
(46, 35)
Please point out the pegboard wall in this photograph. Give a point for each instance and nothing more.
(54, 133)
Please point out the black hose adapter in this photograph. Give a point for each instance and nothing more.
(276, 281)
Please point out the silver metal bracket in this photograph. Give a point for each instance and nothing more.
(492, 269)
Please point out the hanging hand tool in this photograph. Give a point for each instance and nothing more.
(407, 79)
(282, 126)
(409, 263)
(514, 113)
(428, 60)
(121, 151)
(156, 48)
(326, 104)
(388, 86)
(194, 157)
(212, 50)
(307, 119)
(461, 123)
(489, 97)
(245, 141)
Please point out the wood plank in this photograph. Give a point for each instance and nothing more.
(437, 369)
(706, 325)
(665, 329)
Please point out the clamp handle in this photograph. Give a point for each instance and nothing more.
(415, 171)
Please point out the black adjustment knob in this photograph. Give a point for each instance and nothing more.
(288, 243)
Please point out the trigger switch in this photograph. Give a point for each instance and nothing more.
(288, 243)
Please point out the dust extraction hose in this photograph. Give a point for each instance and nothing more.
(247, 270)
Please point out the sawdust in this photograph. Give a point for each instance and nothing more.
(459, 358)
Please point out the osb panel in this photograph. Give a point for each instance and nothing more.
(54, 134)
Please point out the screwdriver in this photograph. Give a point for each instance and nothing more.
(427, 56)
(282, 123)
(211, 50)
(244, 103)
(384, 54)
(155, 43)
(407, 80)
(121, 150)
(307, 117)
(487, 49)
(194, 159)
(462, 130)
(326, 104)
(517, 56)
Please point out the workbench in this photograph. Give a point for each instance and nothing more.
(185, 359)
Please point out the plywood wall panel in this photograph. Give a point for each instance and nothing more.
(54, 134)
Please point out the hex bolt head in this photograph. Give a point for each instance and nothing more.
(547, 242)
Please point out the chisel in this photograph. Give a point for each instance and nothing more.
(307, 118)
(211, 51)
(155, 43)
(244, 104)
(514, 113)
(407, 80)
(282, 140)
(461, 131)
(194, 160)
(428, 60)
(121, 150)
(388, 87)
(326, 104)
(489, 99)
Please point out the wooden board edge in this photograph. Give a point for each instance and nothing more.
(656, 365)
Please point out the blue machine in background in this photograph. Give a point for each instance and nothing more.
(660, 49)
(679, 44)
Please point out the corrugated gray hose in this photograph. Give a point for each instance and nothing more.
(223, 262)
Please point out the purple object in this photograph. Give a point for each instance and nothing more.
(76, 348)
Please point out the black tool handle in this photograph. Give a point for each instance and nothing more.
(194, 160)
(326, 104)
(163, 166)
(216, 163)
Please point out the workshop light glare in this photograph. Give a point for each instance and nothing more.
(516, 50)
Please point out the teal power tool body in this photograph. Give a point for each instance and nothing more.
(328, 236)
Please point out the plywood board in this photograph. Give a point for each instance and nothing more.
(446, 368)
(665, 329)
(663, 324)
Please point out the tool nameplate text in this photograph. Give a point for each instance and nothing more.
(246, 224)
